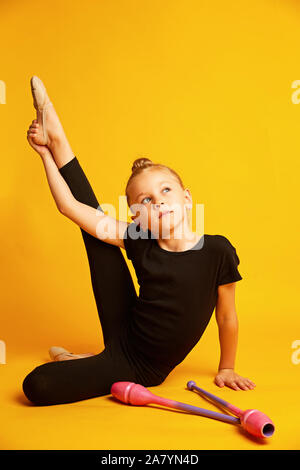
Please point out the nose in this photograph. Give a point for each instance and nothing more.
(157, 206)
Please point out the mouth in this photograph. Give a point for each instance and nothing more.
(164, 213)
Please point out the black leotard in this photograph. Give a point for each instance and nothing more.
(178, 292)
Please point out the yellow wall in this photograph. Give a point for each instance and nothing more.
(202, 86)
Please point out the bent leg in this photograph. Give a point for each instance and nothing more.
(62, 382)
(112, 283)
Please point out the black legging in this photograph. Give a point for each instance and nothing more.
(79, 379)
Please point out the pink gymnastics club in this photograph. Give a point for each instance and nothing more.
(136, 394)
(255, 422)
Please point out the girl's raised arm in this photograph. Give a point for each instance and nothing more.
(93, 221)
(96, 222)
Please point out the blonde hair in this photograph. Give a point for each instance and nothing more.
(141, 164)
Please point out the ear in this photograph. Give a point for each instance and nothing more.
(188, 198)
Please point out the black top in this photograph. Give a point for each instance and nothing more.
(178, 292)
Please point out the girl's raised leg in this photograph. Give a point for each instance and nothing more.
(112, 284)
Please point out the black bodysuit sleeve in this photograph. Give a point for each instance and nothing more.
(134, 240)
(128, 242)
(229, 262)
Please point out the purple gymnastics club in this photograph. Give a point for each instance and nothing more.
(255, 422)
(136, 394)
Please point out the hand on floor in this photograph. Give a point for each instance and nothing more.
(231, 379)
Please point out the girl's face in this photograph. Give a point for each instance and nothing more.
(158, 202)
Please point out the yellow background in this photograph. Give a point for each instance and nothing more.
(206, 88)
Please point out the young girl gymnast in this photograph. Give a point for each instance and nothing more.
(182, 277)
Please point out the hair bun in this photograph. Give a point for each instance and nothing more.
(141, 163)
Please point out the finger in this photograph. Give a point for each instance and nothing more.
(234, 386)
(250, 383)
(242, 385)
(219, 382)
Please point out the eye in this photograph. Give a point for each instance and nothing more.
(150, 198)
(145, 199)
